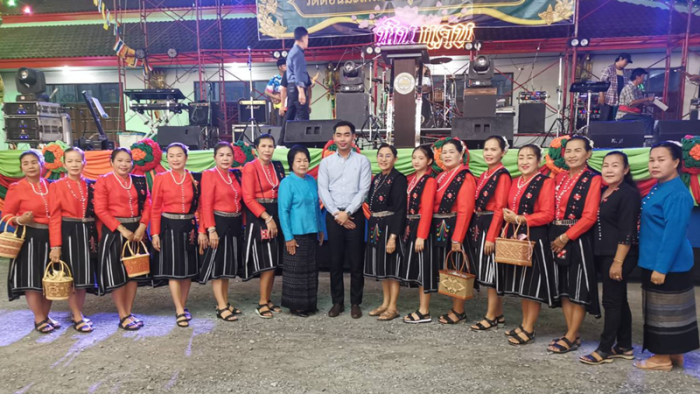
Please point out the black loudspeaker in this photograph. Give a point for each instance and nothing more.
(353, 108)
(675, 130)
(274, 131)
(310, 133)
(480, 102)
(191, 136)
(473, 131)
(617, 134)
(260, 112)
(200, 114)
(531, 118)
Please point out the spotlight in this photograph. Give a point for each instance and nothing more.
(469, 46)
(352, 78)
(377, 50)
(584, 42)
(27, 10)
(369, 50)
(480, 71)
(285, 53)
(30, 83)
(478, 45)
(11, 3)
(276, 54)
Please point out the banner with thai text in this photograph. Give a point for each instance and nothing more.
(278, 18)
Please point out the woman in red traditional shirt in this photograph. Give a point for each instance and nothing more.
(27, 205)
(452, 212)
(530, 206)
(73, 232)
(174, 229)
(263, 240)
(416, 267)
(576, 198)
(221, 207)
(491, 197)
(123, 206)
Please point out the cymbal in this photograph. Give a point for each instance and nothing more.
(440, 60)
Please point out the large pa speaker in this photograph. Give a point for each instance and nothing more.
(675, 130)
(260, 112)
(274, 131)
(191, 136)
(473, 131)
(310, 133)
(353, 108)
(531, 118)
(480, 102)
(200, 114)
(617, 134)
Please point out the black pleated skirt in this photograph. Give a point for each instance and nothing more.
(111, 273)
(261, 254)
(178, 257)
(417, 269)
(488, 273)
(300, 285)
(536, 283)
(223, 262)
(670, 317)
(577, 281)
(79, 251)
(27, 270)
(378, 263)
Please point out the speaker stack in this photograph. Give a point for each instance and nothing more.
(352, 107)
(480, 119)
(675, 130)
(617, 134)
(191, 136)
(310, 133)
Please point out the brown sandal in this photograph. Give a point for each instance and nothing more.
(377, 311)
(389, 315)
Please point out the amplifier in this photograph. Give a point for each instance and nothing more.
(191, 136)
(531, 117)
(473, 131)
(200, 114)
(33, 129)
(675, 130)
(618, 134)
(260, 112)
(310, 133)
(32, 108)
(536, 96)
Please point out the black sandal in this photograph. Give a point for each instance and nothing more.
(274, 308)
(519, 340)
(590, 359)
(514, 332)
(461, 317)
(187, 314)
(555, 340)
(181, 320)
(137, 320)
(266, 314)
(620, 352)
(498, 322)
(132, 326)
(421, 318)
(233, 310)
(560, 349)
(230, 317)
(44, 326)
(83, 326)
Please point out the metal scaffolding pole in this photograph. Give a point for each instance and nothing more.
(669, 49)
(684, 57)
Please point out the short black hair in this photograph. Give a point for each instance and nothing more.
(281, 62)
(178, 145)
(392, 148)
(74, 149)
(535, 149)
(626, 162)
(34, 153)
(265, 136)
(456, 143)
(300, 32)
(586, 141)
(675, 150)
(344, 123)
(426, 151)
(222, 145)
(637, 72)
(293, 153)
(502, 142)
(116, 151)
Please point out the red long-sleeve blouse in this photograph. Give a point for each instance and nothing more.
(258, 182)
(23, 197)
(66, 196)
(498, 201)
(172, 193)
(464, 205)
(114, 200)
(590, 209)
(426, 205)
(543, 211)
(220, 192)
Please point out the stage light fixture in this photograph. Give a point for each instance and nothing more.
(276, 54)
(574, 42)
(11, 3)
(378, 50)
(369, 50)
(478, 45)
(469, 46)
(27, 10)
(30, 83)
(352, 77)
(585, 42)
(285, 53)
(480, 71)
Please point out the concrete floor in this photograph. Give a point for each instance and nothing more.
(293, 355)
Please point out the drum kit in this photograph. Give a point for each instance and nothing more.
(440, 102)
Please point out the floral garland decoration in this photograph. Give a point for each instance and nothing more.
(146, 154)
(691, 154)
(438, 165)
(331, 147)
(53, 156)
(554, 158)
(242, 154)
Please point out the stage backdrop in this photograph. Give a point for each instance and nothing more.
(278, 18)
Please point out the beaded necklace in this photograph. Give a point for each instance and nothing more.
(561, 191)
(269, 178)
(484, 179)
(182, 187)
(521, 187)
(41, 194)
(82, 198)
(442, 176)
(230, 183)
(128, 191)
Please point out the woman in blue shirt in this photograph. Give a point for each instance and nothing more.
(302, 226)
(666, 258)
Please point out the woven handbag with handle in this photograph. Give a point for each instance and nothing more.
(137, 263)
(58, 284)
(10, 242)
(514, 251)
(456, 282)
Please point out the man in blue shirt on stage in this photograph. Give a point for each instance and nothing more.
(297, 80)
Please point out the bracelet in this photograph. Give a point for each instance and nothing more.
(618, 261)
(268, 220)
(155, 235)
(55, 247)
(561, 240)
(211, 229)
(18, 222)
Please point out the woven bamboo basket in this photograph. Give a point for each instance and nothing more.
(58, 284)
(514, 251)
(10, 242)
(456, 282)
(137, 263)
